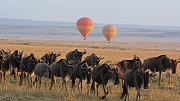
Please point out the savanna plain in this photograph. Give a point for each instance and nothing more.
(12, 91)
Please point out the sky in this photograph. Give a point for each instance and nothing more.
(137, 12)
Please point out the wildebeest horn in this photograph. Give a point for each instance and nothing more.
(84, 51)
(9, 51)
(58, 53)
(101, 58)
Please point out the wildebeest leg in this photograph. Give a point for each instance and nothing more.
(39, 82)
(28, 77)
(52, 82)
(169, 78)
(21, 78)
(1, 77)
(159, 77)
(25, 77)
(92, 87)
(64, 82)
(122, 82)
(105, 93)
(80, 83)
(125, 90)
(73, 83)
(13, 73)
(138, 93)
(35, 81)
(4, 75)
(45, 82)
(97, 89)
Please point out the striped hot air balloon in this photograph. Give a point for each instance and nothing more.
(85, 26)
(109, 31)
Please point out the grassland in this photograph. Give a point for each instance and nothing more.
(12, 91)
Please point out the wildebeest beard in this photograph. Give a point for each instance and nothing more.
(112, 76)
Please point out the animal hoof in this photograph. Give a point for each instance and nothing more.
(104, 97)
(146, 87)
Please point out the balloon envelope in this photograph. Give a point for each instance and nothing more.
(109, 31)
(85, 26)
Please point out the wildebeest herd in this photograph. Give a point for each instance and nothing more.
(133, 73)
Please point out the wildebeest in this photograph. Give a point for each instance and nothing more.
(104, 75)
(60, 69)
(49, 58)
(92, 60)
(158, 64)
(134, 78)
(41, 70)
(75, 55)
(82, 72)
(28, 64)
(127, 65)
(4, 64)
(169, 71)
(15, 61)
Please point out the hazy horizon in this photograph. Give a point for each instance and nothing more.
(71, 33)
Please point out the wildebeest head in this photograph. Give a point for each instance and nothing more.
(137, 62)
(45, 58)
(140, 75)
(166, 62)
(29, 63)
(1, 56)
(79, 55)
(96, 60)
(84, 72)
(146, 80)
(67, 69)
(53, 56)
(110, 74)
(173, 65)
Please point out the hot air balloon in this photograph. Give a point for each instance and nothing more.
(85, 26)
(109, 31)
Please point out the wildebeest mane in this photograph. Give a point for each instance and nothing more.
(62, 60)
(160, 56)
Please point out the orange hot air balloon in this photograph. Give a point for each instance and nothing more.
(85, 26)
(109, 31)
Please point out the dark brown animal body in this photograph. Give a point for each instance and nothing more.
(125, 65)
(82, 72)
(4, 64)
(75, 55)
(15, 62)
(134, 78)
(41, 70)
(170, 71)
(49, 58)
(158, 64)
(60, 69)
(104, 75)
(28, 64)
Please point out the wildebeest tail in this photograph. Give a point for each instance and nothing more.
(124, 91)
